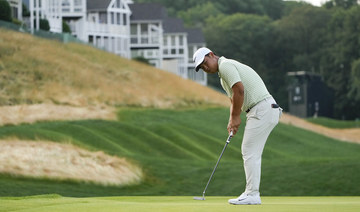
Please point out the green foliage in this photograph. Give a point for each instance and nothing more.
(180, 8)
(346, 4)
(342, 49)
(142, 60)
(239, 36)
(44, 24)
(178, 149)
(5, 11)
(66, 27)
(197, 15)
(355, 81)
(25, 10)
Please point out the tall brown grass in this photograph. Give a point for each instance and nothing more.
(65, 162)
(34, 70)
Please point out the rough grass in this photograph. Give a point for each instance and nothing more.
(39, 159)
(19, 114)
(34, 70)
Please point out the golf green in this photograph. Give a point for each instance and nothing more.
(175, 203)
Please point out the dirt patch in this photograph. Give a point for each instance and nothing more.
(64, 161)
(49, 112)
(348, 135)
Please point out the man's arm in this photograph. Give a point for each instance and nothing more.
(235, 109)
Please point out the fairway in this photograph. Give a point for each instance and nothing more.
(175, 203)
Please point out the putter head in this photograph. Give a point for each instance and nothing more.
(199, 198)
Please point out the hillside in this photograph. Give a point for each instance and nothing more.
(47, 80)
(34, 70)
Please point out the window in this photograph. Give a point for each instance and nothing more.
(77, 2)
(133, 29)
(181, 40)
(144, 29)
(173, 40)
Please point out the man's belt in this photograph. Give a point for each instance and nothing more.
(272, 106)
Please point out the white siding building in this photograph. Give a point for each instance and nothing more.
(146, 32)
(164, 41)
(108, 25)
(16, 8)
(195, 40)
(175, 47)
(104, 23)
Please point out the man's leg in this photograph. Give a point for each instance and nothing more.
(260, 122)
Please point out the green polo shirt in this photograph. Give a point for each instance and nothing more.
(231, 72)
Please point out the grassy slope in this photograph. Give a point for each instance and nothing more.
(166, 204)
(332, 123)
(178, 149)
(34, 70)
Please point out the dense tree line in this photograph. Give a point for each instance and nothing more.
(275, 37)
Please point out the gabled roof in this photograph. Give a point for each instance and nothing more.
(195, 35)
(147, 11)
(173, 25)
(98, 5)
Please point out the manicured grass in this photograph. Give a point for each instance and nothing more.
(333, 123)
(178, 149)
(176, 203)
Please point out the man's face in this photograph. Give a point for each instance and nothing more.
(210, 64)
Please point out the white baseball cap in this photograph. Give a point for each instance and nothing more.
(199, 56)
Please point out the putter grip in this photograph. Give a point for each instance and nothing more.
(230, 136)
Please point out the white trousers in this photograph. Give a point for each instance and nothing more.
(261, 120)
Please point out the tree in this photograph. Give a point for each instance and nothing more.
(246, 38)
(5, 11)
(44, 24)
(346, 4)
(354, 92)
(343, 44)
(196, 16)
(300, 36)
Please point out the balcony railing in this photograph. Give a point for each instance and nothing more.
(97, 28)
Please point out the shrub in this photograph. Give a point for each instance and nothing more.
(44, 24)
(65, 27)
(5, 11)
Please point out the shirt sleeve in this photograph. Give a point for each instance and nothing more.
(229, 74)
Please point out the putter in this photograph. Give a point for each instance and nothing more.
(227, 142)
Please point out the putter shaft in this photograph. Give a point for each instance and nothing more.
(217, 163)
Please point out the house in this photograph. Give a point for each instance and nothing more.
(175, 47)
(16, 8)
(164, 41)
(108, 25)
(103, 23)
(146, 32)
(196, 40)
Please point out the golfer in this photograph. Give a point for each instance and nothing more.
(247, 93)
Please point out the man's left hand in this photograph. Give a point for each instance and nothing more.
(233, 125)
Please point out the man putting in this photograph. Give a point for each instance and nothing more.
(248, 93)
